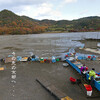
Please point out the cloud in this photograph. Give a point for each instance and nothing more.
(70, 1)
(41, 11)
(13, 3)
(38, 9)
(64, 2)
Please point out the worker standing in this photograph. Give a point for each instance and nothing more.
(83, 70)
(92, 75)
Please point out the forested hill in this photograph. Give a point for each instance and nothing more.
(10, 23)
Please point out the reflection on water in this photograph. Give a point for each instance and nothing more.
(43, 44)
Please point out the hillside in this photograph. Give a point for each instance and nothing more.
(91, 23)
(87, 24)
(10, 23)
(80, 25)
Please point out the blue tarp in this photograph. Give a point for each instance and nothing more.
(53, 59)
(33, 59)
(19, 58)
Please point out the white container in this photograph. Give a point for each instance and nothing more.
(65, 64)
(89, 93)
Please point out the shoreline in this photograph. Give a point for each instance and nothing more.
(52, 33)
(27, 72)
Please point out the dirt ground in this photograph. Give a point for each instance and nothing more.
(26, 86)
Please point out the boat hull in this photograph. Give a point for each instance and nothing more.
(96, 83)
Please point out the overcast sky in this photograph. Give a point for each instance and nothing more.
(53, 9)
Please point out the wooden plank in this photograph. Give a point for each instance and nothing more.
(45, 83)
(56, 92)
(53, 90)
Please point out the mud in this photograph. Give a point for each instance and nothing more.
(26, 87)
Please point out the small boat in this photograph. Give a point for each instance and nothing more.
(97, 79)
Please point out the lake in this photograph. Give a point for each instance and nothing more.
(43, 44)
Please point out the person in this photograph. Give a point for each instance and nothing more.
(92, 75)
(29, 59)
(83, 70)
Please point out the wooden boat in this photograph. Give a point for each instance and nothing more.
(96, 80)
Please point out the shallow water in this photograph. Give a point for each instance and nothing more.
(42, 44)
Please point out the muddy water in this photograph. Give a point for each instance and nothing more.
(42, 44)
(47, 45)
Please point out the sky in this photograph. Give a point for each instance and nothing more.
(53, 9)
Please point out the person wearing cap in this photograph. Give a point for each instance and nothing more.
(92, 75)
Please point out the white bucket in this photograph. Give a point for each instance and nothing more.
(89, 93)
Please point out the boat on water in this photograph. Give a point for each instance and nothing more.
(77, 65)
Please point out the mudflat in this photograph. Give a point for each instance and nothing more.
(26, 86)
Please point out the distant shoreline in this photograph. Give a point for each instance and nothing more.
(53, 33)
(67, 32)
